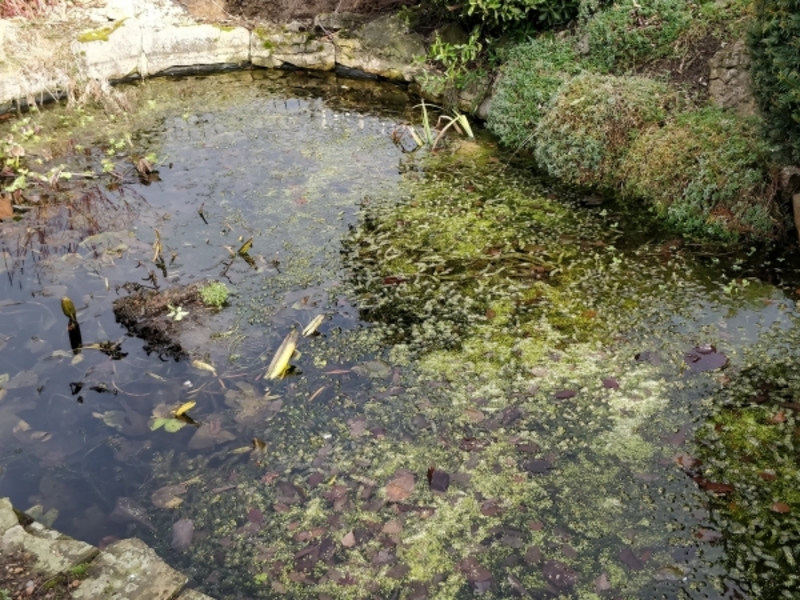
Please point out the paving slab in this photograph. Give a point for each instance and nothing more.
(54, 552)
(130, 570)
(8, 518)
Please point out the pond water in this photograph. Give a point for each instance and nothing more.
(509, 395)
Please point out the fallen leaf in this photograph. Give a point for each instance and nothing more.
(6, 210)
(780, 507)
(565, 394)
(203, 366)
(280, 361)
(311, 328)
(438, 481)
(400, 487)
(705, 358)
(184, 407)
(349, 540)
(168, 496)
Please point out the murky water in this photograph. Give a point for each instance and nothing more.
(499, 401)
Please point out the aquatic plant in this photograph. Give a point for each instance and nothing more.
(215, 294)
(752, 444)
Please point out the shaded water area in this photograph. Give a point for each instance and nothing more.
(511, 393)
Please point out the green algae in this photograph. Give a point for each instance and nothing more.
(100, 35)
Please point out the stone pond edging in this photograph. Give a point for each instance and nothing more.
(126, 569)
(125, 39)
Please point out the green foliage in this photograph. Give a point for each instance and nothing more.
(631, 33)
(583, 137)
(706, 172)
(775, 47)
(531, 77)
(215, 294)
(504, 14)
(457, 59)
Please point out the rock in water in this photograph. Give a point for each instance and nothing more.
(182, 533)
(130, 511)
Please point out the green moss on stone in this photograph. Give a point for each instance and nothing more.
(100, 35)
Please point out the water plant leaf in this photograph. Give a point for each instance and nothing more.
(185, 407)
(203, 366)
(169, 425)
(113, 418)
(311, 328)
(280, 362)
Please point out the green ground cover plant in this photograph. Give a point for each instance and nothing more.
(707, 173)
(533, 73)
(592, 121)
(629, 33)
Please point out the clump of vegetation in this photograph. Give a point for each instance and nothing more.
(215, 294)
(531, 77)
(776, 78)
(706, 172)
(751, 444)
(584, 136)
(630, 34)
(510, 13)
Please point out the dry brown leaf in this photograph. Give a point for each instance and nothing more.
(400, 487)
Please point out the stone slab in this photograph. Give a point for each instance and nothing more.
(8, 518)
(130, 570)
(53, 554)
(115, 57)
(190, 45)
(276, 47)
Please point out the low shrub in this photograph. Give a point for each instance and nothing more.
(707, 173)
(592, 121)
(776, 70)
(633, 32)
(530, 79)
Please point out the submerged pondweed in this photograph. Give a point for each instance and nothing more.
(496, 393)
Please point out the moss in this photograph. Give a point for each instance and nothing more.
(100, 35)
(707, 173)
(584, 136)
(225, 28)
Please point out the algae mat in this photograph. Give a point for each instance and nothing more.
(501, 399)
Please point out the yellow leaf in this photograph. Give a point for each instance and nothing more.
(280, 363)
(312, 327)
(184, 407)
(199, 364)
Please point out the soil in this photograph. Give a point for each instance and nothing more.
(287, 10)
(691, 72)
(19, 581)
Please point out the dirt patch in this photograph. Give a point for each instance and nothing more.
(690, 72)
(287, 10)
(19, 581)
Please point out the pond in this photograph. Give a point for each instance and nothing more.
(511, 389)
